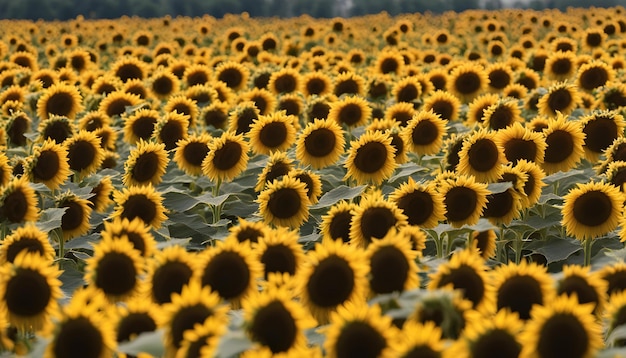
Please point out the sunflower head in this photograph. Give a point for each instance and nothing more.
(371, 158)
(284, 202)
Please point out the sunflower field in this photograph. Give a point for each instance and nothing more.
(383, 186)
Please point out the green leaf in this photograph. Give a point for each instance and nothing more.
(405, 170)
(179, 201)
(83, 242)
(339, 193)
(146, 342)
(497, 188)
(50, 219)
(173, 242)
(233, 343)
(556, 249)
(71, 279)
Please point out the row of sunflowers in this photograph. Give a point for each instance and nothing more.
(412, 186)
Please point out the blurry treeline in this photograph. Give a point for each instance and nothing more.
(67, 9)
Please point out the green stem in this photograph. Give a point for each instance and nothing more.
(217, 209)
(59, 237)
(519, 243)
(587, 250)
(501, 248)
(439, 245)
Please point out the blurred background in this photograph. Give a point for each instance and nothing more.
(67, 9)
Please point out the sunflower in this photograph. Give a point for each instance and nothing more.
(277, 165)
(467, 81)
(274, 132)
(191, 152)
(18, 201)
(145, 164)
(370, 158)
(407, 90)
(286, 80)
(563, 328)
(502, 115)
(274, 320)
(505, 206)
(312, 182)
(163, 83)
(465, 271)
(477, 108)
(419, 340)
(516, 91)
(614, 275)
(292, 104)
(140, 125)
(564, 145)
(233, 74)
(351, 111)
(419, 202)
(373, 218)
(115, 269)
(591, 210)
(171, 128)
(445, 308)
(519, 287)
(93, 120)
(392, 264)
(118, 102)
(16, 126)
(203, 94)
(138, 88)
(464, 200)
(60, 100)
(337, 221)
(215, 115)
(242, 116)
(588, 289)
(496, 336)
(75, 219)
(612, 96)
(182, 105)
(279, 252)
(424, 133)
(481, 156)
(263, 99)
(227, 158)
(252, 231)
(81, 332)
(202, 340)
(135, 231)
(19, 290)
(169, 271)
(560, 65)
(485, 243)
(56, 128)
(200, 74)
(26, 238)
(593, 75)
(101, 191)
(359, 330)
(133, 318)
(333, 274)
(500, 75)
(446, 105)
(128, 68)
(614, 316)
(284, 202)
(143, 202)
(194, 305)
(320, 143)
(520, 143)
(562, 97)
(84, 154)
(601, 129)
(317, 83)
(230, 269)
(350, 84)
